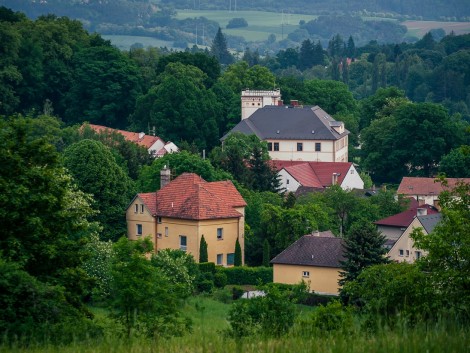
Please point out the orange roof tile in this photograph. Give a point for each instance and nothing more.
(191, 197)
(146, 141)
(426, 186)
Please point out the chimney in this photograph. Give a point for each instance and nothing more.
(316, 233)
(141, 135)
(280, 102)
(294, 102)
(164, 176)
(421, 211)
(334, 178)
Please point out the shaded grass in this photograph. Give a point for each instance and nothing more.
(209, 319)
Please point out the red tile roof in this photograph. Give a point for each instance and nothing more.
(146, 141)
(405, 218)
(191, 197)
(426, 186)
(314, 174)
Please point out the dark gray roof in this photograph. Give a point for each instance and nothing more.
(430, 221)
(287, 123)
(324, 250)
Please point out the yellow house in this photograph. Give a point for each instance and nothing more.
(314, 258)
(184, 210)
(404, 250)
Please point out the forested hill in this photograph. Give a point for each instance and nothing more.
(94, 9)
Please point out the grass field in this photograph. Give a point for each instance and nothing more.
(125, 42)
(209, 321)
(260, 23)
(420, 28)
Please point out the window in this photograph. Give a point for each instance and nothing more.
(407, 253)
(183, 242)
(230, 259)
(287, 181)
(220, 259)
(418, 255)
(142, 208)
(276, 146)
(270, 146)
(136, 208)
(220, 233)
(159, 219)
(166, 231)
(352, 171)
(305, 274)
(138, 229)
(400, 252)
(317, 146)
(159, 235)
(300, 146)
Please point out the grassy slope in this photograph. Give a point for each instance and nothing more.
(260, 24)
(207, 337)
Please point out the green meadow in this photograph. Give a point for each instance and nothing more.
(260, 23)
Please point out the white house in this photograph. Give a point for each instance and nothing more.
(320, 175)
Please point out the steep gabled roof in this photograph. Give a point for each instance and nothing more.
(430, 221)
(314, 174)
(426, 186)
(288, 123)
(146, 141)
(324, 250)
(404, 219)
(191, 197)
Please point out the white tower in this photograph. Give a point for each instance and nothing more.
(253, 100)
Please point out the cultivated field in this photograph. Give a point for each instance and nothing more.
(420, 28)
(260, 24)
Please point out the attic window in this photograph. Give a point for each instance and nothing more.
(136, 208)
(142, 208)
(159, 219)
(306, 274)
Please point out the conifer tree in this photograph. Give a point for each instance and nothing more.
(219, 49)
(363, 248)
(351, 48)
(266, 253)
(238, 254)
(203, 256)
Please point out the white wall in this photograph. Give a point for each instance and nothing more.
(352, 180)
(157, 146)
(288, 183)
(406, 244)
(288, 151)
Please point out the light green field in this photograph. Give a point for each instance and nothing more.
(260, 23)
(125, 42)
(420, 28)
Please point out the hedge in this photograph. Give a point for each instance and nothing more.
(206, 267)
(243, 275)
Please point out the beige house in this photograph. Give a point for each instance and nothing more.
(314, 258)
(184, 210)
(403, 250)
(297, 133)
(426, 190)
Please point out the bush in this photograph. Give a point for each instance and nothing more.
(332, 317)
(237, 23)
(207, 267)
(220, 279)
(205, 286)
(237, 292)
(243, 275)
(223, 295)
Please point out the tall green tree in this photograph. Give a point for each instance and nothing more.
(96, 172)
(448, 250)
(456, 164)
(363, 248)
(238, 254)
(203, 256)
(266, 253)
(219, 49)
(142, 298)
(180, 107)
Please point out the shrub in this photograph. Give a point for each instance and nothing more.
(223, 295)
(238, 22)
(243, 275)
(207, 267)
(237, 292)
(220, 279)
(332, 317)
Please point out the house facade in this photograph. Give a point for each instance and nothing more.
(318, 175)
(297, 133)
(426, 190)
(314, 258)
(252, 100)
(186, 209)
(404, 250)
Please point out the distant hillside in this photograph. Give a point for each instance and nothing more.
(427, 9)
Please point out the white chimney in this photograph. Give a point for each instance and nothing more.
(421, 211)
(165, 176)
(141, 135)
